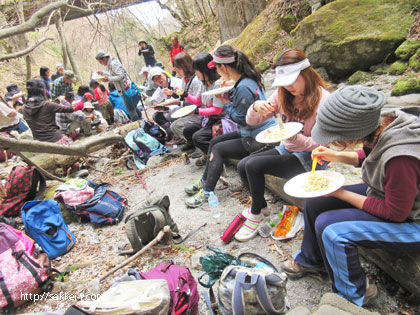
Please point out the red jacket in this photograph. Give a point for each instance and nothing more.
(175, 50)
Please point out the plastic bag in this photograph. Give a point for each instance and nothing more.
(214, 264)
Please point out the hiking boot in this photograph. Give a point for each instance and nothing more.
(194, 188)
(196, 154)
(197, 200)
(249, 228)
(186, 147)
(371, 292)
(295, 271)
(201, 161)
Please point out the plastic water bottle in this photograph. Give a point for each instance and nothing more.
(214, 205)
(270, 224)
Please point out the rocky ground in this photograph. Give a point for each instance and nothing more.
(97, 248)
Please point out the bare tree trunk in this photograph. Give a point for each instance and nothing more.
(59, 26)
(184, 9)
(173, 13)
(202, 14)
(211, 7)
(67, 49)
(28, 60)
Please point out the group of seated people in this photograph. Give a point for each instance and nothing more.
(382, 212)
(55, 113)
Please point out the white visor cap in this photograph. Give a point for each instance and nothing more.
(286, 75)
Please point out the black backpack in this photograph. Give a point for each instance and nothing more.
(144, 225)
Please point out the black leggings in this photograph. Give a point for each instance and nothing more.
(198, 136)
(253, 168)
(227, 146)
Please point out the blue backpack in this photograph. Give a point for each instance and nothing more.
(105, 207)
(143, 146)
(132, 96)
(44, 223)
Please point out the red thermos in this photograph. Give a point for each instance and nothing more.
(233, 227)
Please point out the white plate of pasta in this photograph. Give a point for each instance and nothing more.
(275, 134)
(307, 185)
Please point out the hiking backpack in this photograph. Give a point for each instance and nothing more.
(143, 146)
(21, 273)
(22, 185)
(155, 131)
(182, 287)
(105, 207)
(144, 225)
(44, 223)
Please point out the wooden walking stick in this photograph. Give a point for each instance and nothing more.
(157, 239)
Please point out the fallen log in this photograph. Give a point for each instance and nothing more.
(80, 148)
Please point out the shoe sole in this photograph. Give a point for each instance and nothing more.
(246, 239)
(293, 275)
(193, 206)
(189, 192)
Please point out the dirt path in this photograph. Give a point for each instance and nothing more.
(96, 250)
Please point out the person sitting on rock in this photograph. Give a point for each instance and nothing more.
(192, 86)
(209, 109)
(14, 96)
(231, 64)
(166, 86)
(62, 85)
(150, 86)
(300, 91)
(40, 113)
(120, 113)
(69, 123)
(105, 106)
(92, 115)
(381, 213)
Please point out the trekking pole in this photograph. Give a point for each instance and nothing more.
(166, 230)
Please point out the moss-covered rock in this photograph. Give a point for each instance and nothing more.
(398, 67)
(407, 49)
(414, 61)
(262, 66)
(379, 69)
(264, 36)
(359, 77)
(406, 85)
(349, 35)
(288, 23)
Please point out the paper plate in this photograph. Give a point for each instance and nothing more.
(160, 108)
(17, 95)
(296, 186)
(275, 135)
(218, 91)
(184, 111)
(169, 101)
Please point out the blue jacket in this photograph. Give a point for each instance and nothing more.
(242, 96)
(117, 101)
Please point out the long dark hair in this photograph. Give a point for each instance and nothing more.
(94, 84)
(313, 84)
(82, 90)
(184, 61)
(36, 90)
(200, 63)
(242, 64)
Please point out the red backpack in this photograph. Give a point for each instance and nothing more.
(22, 185)
(182, 286)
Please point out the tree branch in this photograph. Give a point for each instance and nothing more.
(37, 17)
(25, 51)
(75, 149)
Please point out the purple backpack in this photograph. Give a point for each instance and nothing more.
(182, 286)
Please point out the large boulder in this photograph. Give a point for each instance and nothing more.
(349, 35)
(234, 16)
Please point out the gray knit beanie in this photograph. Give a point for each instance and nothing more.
(350, 113)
